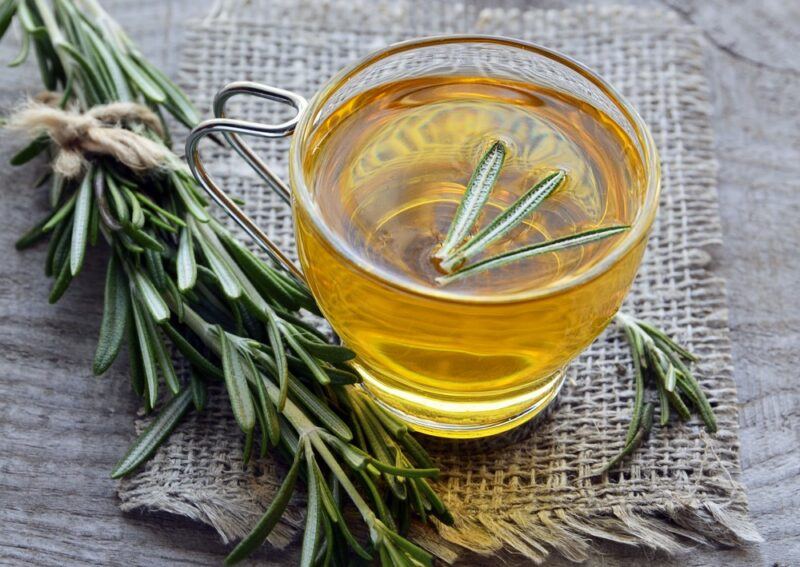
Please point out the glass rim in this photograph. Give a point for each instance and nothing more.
(639, 228)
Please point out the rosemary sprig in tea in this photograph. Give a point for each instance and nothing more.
(478, 190)
(507, 220)
(176, 276)
(458, 249)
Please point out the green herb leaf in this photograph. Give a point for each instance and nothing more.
(149, 363)
(218, 264)
(439, 509)
(325, 351)
(314, 511)
(475, 196)
(7, 10)
(150, 296)
(148, 203)
(25, 49)
(563, 243)
(418, 554)
(319, 410)
(312, 365)
(264, 403)
(143, 83)
(115, 74)
(54, 259)
(34, 235)
(641, 434)
(61, 284)
(156, 269)
(195, 209)
(155, 434)
(271, 517)
(117, 199)
(281, 364)
(179, 104)
(33, 149)
(236, 382)
(61, 214)
(141, 237)
(404, 472)
(186, 264)
(115, 317)
(135, 360)
(638, 403)
(192, 354)
(163, 358)
(199, 391)
(137, 213)
(100, 92)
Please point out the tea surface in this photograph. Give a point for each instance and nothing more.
(391, 166)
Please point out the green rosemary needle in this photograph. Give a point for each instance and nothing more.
(475, 197)
(555, 245)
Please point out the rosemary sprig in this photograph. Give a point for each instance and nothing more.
(661, 362)
(455, 251)
(507, 220)
(533, 250)
(175, 276)
(475, 197)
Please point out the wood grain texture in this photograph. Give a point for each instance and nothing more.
(61, 430)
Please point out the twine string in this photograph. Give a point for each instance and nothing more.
(115, 130)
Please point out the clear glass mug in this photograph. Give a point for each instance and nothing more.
(425, 354)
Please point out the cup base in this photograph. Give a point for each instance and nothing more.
(456, 419)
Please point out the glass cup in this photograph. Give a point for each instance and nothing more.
(449, 364)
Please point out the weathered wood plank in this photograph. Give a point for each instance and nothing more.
(61, 430)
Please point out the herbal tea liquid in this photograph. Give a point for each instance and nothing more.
(387, 171)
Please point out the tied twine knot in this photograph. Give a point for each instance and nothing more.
(113, 130)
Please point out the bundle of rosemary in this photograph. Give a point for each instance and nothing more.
(178, 278)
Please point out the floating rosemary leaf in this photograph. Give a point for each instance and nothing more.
(507, 220)
(475, 197)
(534, 250)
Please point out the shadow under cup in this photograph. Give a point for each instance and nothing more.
(456, 365)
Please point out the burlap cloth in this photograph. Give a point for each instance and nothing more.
(537, 495)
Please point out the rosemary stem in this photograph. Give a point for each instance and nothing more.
(290, 410)
(359, 502)
(56, 36)
(296, 417)
(58, 40)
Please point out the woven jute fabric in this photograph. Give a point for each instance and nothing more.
(536, 495)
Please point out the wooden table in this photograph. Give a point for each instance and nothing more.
(61, 430)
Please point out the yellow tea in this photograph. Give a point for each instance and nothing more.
(388, 170)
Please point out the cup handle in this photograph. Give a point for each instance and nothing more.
(232, 129)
